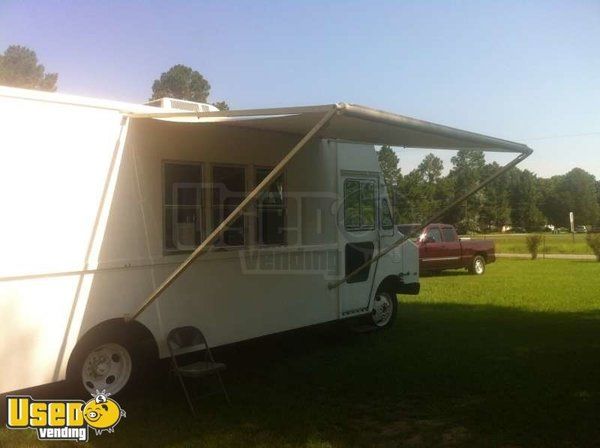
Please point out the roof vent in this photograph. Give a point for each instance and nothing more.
(174, 103)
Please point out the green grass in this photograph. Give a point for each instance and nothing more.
(552, 244)
(511, 358)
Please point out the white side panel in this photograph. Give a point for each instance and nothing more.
(218, 293)
(55, 190)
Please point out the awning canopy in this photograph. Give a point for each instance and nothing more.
(352, 123)
(336, 121)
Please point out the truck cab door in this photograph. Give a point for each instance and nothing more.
(432, 250)
(358, 238)
(452, 247)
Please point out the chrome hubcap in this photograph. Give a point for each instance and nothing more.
(479, 266)
(382, 310)
(108, 368)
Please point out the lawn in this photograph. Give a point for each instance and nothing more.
(562, 243)
(508, 359)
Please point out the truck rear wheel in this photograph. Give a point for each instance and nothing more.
(110, 366)
(113, 360)
(107, 367)
(477, 265)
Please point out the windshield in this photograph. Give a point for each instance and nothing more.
(408, 229)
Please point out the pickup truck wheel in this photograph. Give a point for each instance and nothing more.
(477, 266)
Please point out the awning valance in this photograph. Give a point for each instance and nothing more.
(352, 123)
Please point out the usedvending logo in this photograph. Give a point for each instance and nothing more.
(64, 419)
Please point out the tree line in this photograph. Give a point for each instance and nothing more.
(518, 199)
(19, 67)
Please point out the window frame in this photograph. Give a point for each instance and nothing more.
(203, 205)
(454, 234)
(439, 231)
(386, 208)
(361, 227)
(284, 207)
(219, 243)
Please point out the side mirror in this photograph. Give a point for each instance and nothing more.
(429, 239)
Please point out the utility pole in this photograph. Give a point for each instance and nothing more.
(572, 221)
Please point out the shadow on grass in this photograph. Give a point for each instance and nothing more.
(445, 374)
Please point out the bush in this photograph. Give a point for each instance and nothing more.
(593, 240)
(533, 245)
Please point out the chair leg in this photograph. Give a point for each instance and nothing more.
(187, 395)
(223, 387)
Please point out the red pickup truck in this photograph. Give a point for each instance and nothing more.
(440, 248)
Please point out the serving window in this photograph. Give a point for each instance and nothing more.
(270, 211)
(228, 190)
(193, 208)
(183, 205)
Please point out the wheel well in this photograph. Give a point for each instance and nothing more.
(483, 254)
(390, 284)
(134, 334)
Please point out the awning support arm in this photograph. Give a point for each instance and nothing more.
(434, 218)
(267, 181)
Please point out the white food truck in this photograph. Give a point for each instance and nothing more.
(121, 222)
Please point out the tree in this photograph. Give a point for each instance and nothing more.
(583, 201)
(466, 173)
(431, 168)
(430, 197)
(183, 83)
(598, 200)
(388, 161)
(524, 197)
(221, 105)
(533, 243)
(593, 240)
(495, 208)
(576, 192)
(19, 67)
(412, 198)
(468, 165)
(554, 202)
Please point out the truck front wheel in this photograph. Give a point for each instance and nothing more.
(384, 309)
(477, 265)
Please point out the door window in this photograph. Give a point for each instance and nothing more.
(359, 204)
(449, 235)
(358, 254)
(434, 235)
(386, 215)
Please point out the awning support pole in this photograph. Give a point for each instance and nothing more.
(204, 246)
(433, 219)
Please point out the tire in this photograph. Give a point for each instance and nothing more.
(477, 265)
(384, 311)
(112, 364)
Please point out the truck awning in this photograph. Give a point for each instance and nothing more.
(336, 121)
(352, 123)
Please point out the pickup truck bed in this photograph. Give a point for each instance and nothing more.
(440, 248)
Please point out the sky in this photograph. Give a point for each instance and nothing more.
(527, 71)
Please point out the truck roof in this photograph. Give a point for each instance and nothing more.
(352, 122)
